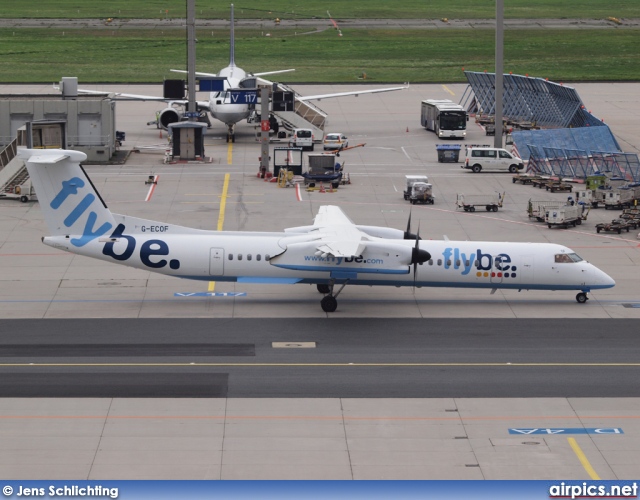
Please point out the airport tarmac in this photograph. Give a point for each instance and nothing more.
(307, 438)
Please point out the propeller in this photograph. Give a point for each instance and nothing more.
(418, 256)
(408, 235)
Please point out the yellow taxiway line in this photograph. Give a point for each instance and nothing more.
(583, 459)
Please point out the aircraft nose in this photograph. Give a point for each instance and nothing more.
(602, 279)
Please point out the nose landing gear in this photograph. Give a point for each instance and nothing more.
(582, 297)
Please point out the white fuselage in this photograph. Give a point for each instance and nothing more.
(220, 105)
(271, 258)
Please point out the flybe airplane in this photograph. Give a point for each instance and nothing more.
(330, 253)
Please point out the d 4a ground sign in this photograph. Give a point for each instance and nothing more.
(570, 430)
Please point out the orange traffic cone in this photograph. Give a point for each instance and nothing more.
(322, 188)
(160, 134)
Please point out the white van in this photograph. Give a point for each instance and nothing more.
(302, 138)
(481, 158)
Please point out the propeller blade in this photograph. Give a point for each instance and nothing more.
(416, 249)
(407, 234)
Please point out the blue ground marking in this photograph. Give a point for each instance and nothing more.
(575, 430)
(210, 294)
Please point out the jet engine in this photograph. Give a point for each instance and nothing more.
(168, 116)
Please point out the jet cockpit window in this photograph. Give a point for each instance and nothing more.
(567, 258)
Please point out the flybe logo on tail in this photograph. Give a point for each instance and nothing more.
(149, 250)
(485, 264)
(89, 231)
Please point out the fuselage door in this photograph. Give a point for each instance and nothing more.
(525, 271)
(216, 262)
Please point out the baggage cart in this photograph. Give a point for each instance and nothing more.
(538, 208)
(565, 216)
(469, 202)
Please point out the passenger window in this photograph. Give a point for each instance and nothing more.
(458, 263)
(491, 154)
(448, 262)
(249, 256)
(239, 256)
(504, 154)
(258, 257)
(431, 262)
(466, 263)
(439, 262)
(230, 256)
(266, 257)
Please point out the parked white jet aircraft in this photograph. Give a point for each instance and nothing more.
(221, 104)
(332, 251)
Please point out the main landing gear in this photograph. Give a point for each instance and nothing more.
(329, 303)
(582, 297)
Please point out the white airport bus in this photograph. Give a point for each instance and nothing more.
(444, 117)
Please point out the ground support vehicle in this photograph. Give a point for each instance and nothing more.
(525, 178)
(558, 186)
(421, 192)
(323, 169)
(565, 216)
(539, 182)
(620, 197)
(631, 215)
(444, 117)
(615, 226)
(469, 202)
(410, 181)
(538, 209)
(481, 158)
(590, 197)
(19, 189)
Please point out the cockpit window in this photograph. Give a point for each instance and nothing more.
(567, 258)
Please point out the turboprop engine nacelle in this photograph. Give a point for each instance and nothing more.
(376, 257)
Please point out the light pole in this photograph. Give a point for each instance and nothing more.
(499, 80)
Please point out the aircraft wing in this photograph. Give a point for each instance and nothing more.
(198, 73)
(338, 235)
(120, 96)
(123, 96)
(273, 72)
(354, 92)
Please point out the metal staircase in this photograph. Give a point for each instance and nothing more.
(305, 114)
(14, 177)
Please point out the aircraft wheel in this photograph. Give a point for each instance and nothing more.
(233, 137)
(24, 199)
(322, 288)
(329, 304)
(582, 298)
(228, 137)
